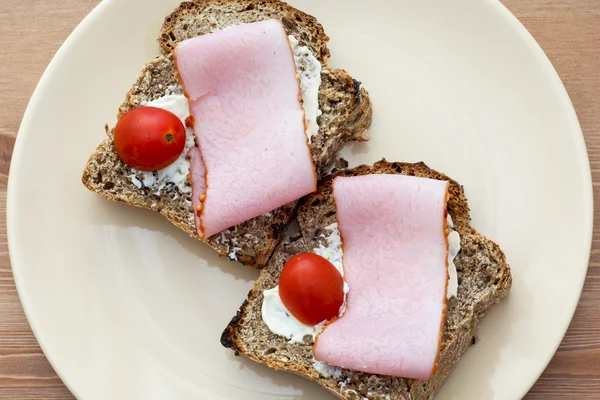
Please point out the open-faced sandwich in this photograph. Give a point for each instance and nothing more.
(252, 77)
(383, 290)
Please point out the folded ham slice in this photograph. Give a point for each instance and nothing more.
(248, 122)
(395, 263)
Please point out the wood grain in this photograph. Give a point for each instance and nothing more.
(32, 31)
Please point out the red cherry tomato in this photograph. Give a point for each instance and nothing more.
(149, 138)
(311, 288)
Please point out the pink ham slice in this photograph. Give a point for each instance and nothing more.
(248, 121)
(395, 263)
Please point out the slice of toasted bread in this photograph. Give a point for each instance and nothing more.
(483, 274)
(346, 115)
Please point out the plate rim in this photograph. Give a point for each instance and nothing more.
(64, 50)
(580, 147)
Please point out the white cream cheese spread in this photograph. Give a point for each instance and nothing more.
(174, 175)
(453, 249)
(274, 313)
(309, 70)
(327, 370)
(233, 253)
(281, 322)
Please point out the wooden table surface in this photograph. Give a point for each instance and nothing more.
(32, 31)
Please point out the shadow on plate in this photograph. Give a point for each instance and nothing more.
(119, 215)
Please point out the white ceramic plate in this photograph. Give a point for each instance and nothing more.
(126, 306)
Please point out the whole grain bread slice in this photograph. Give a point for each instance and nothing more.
(346, 115)
(483, 274)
